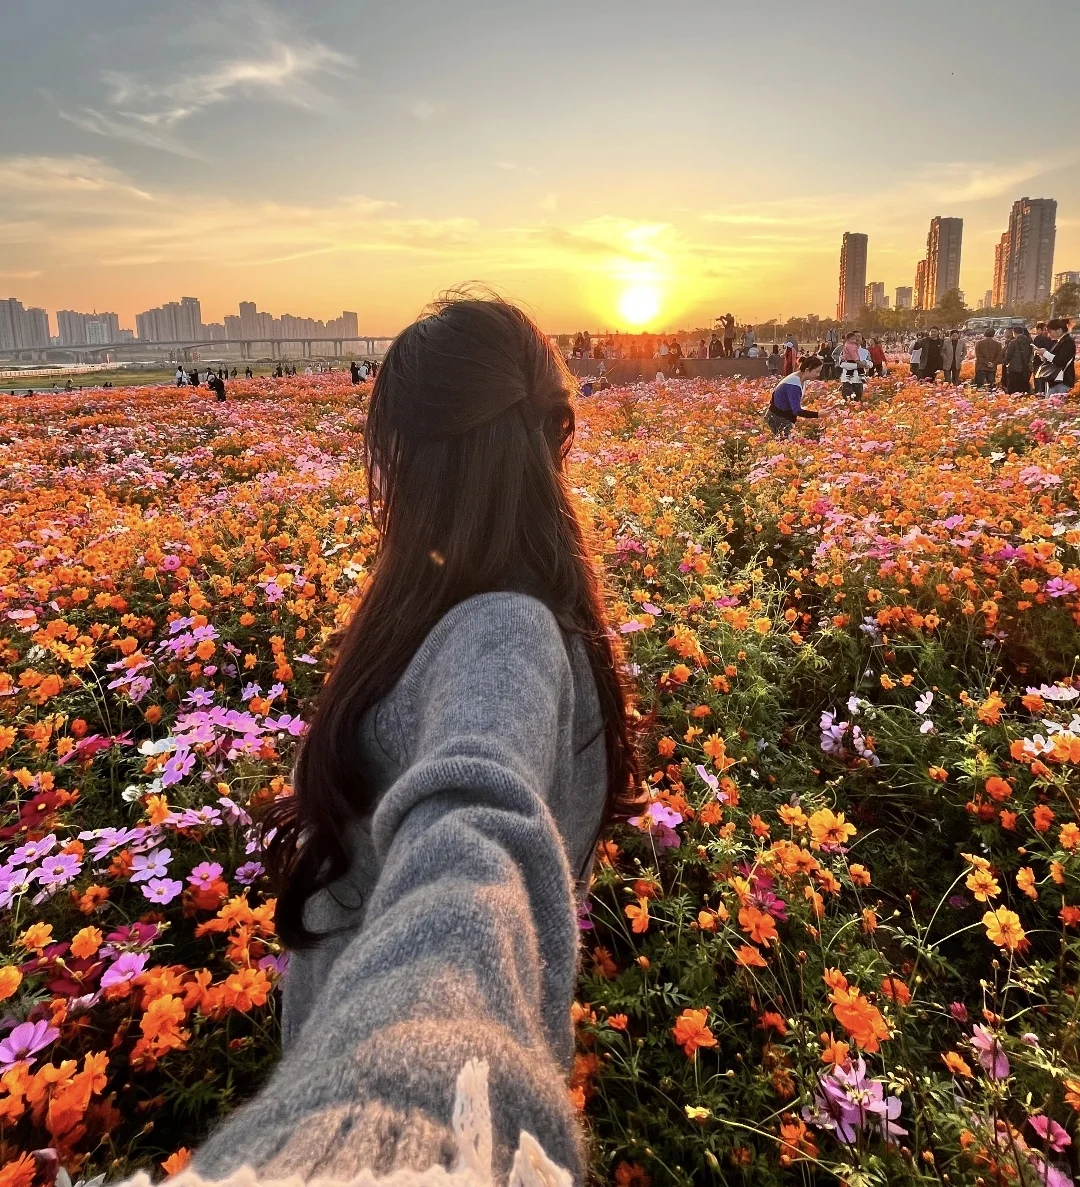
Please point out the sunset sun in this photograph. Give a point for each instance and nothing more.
(639, 304)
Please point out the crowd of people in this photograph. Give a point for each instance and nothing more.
(1048, 360)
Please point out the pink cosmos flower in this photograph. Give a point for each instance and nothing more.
(25, 1041)
(1053, 1134)
(990, 1052)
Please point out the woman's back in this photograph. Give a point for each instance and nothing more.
(474, 641)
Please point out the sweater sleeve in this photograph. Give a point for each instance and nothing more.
(469, 948)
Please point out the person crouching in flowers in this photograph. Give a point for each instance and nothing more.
(786, 404)
(467, 748)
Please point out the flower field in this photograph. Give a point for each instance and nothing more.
(841, 945)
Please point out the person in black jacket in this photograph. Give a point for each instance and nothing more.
(1058, 361)
(933, 359)
(1016, 368)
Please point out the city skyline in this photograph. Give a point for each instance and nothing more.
(263, 150)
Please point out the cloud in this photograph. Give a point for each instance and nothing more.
(124, 127)
(245, 50)
(46, 177)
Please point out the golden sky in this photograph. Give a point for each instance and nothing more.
(602, 167)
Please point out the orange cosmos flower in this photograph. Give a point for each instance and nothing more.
(86, 942)
(758, 925)
(10, 980)
(638, 914)
(1069, 915)
(859, 875)
(177, 1161)
(792, 817)
(20, 1172)
(895, 990)
(835, 1051)
(989, 712)
(983, 885)
(1025, 880)
(749, 957)
(1042, 817)
(1069, 837)
(246, 989)
(36, 937)
(830, 828)
(957, 1064)
(997, 789)
(691, 1031)
(861, 1019)
(1003, 928)
(796, 1141)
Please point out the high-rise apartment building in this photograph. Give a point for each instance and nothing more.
(920, 285)
(1061, 278)
(942, 258)
(87, 329)
(1001, 270)
(249, 319)
(1028, 264)
(175, 321)
(22, 329)
(903, 297)
(988, 300)
(874, 295)
(852, 275)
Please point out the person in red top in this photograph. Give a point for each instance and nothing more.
(877, 357)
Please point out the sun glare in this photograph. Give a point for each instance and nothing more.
(640, 304)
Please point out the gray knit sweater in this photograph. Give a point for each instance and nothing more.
(460, 935)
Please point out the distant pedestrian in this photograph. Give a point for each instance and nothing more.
(918, 348)
(748, 339)
(790, 359)
(217, 385)
(933, 359)
(729, 335)
(988, 356)
(180, 377)
(248, 374)
(1058, 369)
(877, 358)
(1042, 341)
(953, 353)
(1016, 370)
(785, 406)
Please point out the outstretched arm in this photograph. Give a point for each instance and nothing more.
(470, 941)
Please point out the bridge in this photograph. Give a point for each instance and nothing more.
(182, 351)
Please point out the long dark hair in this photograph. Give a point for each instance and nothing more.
(470, 421)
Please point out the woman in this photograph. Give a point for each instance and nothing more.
(785, 406)
(918, 348)
(1058, 369)
(878, 363)
(467, 747)
(954, 351)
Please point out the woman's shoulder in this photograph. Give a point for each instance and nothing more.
(497, 630)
